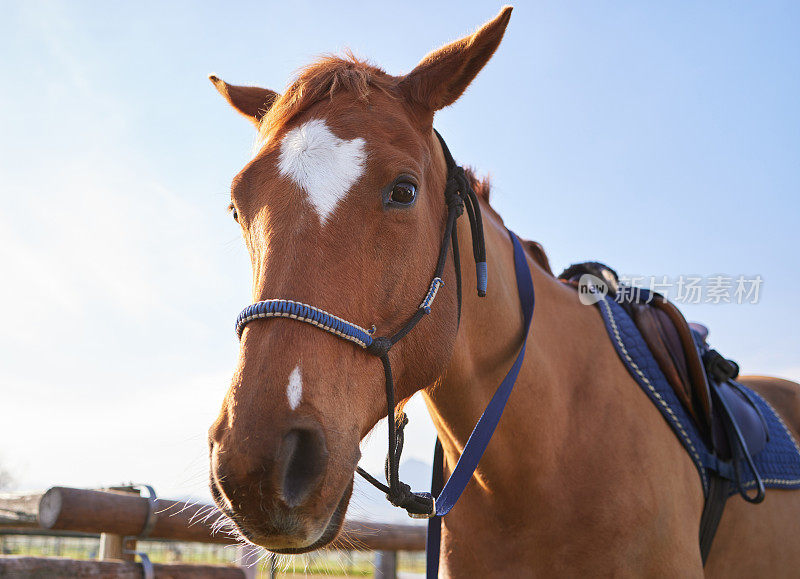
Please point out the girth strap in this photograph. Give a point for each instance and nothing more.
(718, 488)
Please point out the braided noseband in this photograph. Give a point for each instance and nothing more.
(458, 196)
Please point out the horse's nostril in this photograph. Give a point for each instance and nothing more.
(303, 457)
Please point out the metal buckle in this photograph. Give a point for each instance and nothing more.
(152, 510)
(425, 515)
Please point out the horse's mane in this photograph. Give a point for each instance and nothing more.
(330, 74)
(482, 187)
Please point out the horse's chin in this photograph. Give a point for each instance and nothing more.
(331, 529)
(276, 544)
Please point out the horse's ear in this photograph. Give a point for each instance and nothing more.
(252, 101)
(442, 76)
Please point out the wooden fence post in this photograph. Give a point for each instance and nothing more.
(128, 547)
(110, 547)
(386, 565)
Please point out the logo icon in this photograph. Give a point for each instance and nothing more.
(591, 289)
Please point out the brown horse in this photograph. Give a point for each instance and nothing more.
(583, 476)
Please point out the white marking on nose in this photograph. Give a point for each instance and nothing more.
(322, 164)
(294, 390)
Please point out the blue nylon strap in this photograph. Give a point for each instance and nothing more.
(433, 543)
(482, 433)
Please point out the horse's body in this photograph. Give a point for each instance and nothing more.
(583, 476)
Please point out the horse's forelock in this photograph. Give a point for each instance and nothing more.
(327, 76)
(322, 79)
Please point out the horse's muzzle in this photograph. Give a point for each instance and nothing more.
(272, 492)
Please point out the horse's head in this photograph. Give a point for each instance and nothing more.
(341, 207)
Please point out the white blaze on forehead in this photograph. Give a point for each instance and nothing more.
(322, 164)
(294, 390)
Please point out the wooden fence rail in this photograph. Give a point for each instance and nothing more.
(116, 515)
(48, 567)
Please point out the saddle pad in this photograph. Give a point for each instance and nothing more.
(778, 463)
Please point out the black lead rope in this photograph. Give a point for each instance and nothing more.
(458, 196)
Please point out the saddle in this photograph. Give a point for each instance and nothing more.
(687, 361)
(727, 418)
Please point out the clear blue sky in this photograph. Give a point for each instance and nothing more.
(661, 138)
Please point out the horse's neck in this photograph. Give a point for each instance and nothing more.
(574, 414)
(489, 339)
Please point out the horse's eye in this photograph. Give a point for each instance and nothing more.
(403, 193)
(235, 216)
